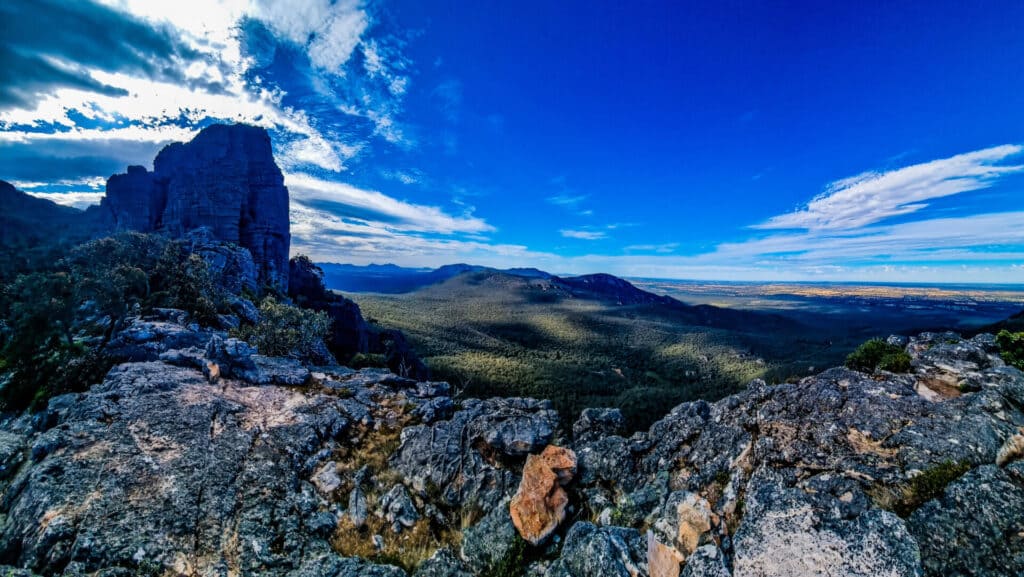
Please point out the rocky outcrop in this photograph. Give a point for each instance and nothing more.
(350, 334)
(224, 180)
(538, 507)
(466, 459)
(159, 469)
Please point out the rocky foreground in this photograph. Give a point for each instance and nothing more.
(205, 458)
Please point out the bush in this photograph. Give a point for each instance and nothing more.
(285, 330)
(46, 314)
(1011, 348)
(880, 355)
(53, 371)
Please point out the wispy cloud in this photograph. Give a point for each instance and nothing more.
(567, 199)
(74, 199)
(665, 248)
(347, 201)
(583, 234)
(328, 31)
(872, 197)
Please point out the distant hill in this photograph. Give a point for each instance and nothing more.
(393, 279)
(594, 340)
(35, 230)
(26, 219)
(1014, 323)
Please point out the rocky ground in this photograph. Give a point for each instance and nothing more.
(201, 457)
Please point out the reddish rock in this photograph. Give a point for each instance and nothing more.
(662, 560)
(539, 504)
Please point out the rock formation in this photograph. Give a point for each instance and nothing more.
(538, 507)
(350, 334)
(225, 180)
(279, 469)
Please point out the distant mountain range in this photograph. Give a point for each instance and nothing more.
(394, 279)
(27, 220)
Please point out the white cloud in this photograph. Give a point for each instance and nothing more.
(74, 199)
(871, 197)
(659, 248)
(329, 31)
(373, 206)
(583, 234)
(217, 86)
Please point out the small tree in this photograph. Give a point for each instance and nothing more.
(878, 354)
(285, 330)
(113, 273)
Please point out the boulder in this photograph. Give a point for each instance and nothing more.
(442, 564)
(538, 507)
(605, 551)
(274, 371)
(398, 508)
(787, 532)
(976, 527)
(463, 457)
(706, 561)
(232, 266)
(662, 560)
(357, 506)
(685, 522)
(490, 541)
(326, 478)
(598, 423)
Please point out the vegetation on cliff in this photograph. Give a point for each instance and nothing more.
(56, 320)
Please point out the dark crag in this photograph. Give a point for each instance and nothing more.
(225, 180)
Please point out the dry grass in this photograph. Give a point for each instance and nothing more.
(863, 444)
(406, 549)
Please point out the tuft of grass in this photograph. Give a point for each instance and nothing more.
(513, 564)
(407, 549)
(904, 498)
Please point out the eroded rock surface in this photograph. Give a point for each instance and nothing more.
(161, 468)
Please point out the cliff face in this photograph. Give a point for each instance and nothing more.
(350, 333)
(225, 180)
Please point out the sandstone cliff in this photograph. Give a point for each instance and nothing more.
(224, 180)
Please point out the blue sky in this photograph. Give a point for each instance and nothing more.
(876, 141)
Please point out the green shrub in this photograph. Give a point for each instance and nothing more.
(1011, 348)
(367, 360)
(898, 362)
(930, 484)
(285, 330)
(878, 354)
(52, 371)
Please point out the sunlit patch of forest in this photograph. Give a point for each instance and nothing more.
(492, 334)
